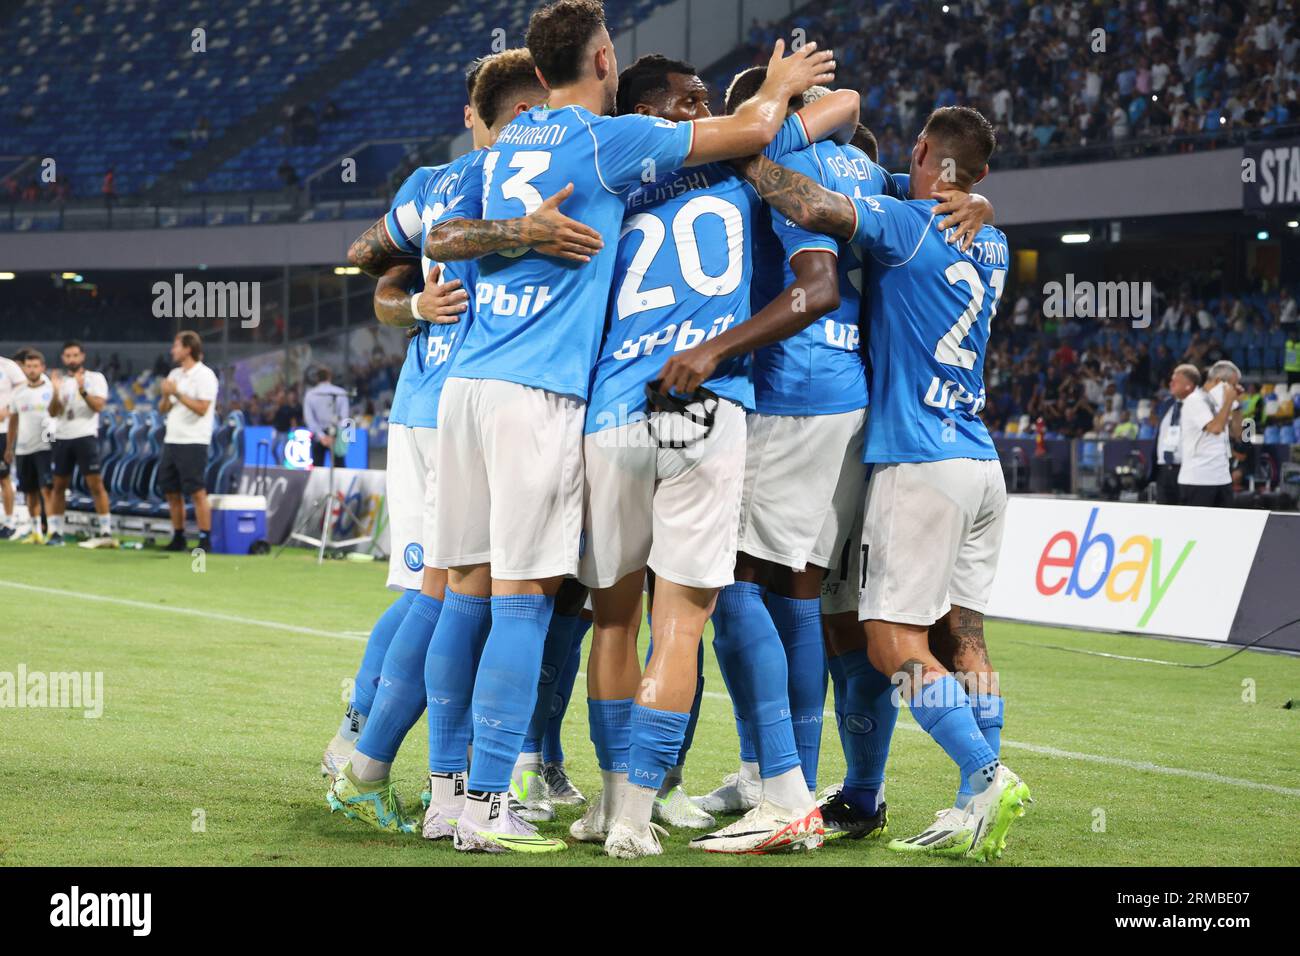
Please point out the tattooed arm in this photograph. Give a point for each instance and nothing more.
(374, 253)
(800, 199)
(546, 229)
(440, 303)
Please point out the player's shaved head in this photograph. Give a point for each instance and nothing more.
(559, 37)
(964, 136)
(745, 85)
(506, 79)
(649, 81)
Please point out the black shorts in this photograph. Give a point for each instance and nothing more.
(33, 471)
(70, 453)
(182, 468)
(1208, 496)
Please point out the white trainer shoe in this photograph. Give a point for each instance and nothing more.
(767, 828)
(991, 813)
(677, 810)
(531, 800)
(507, 833)
(626, 843)
(737, 794)
(949, 835)
(593, 826)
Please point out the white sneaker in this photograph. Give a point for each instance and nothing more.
(593, 826)
(991, 813)
(337, 753)
(560, 789)
(100, 541)
(531, 798)
(736, 795)
(508, 833)
(949, 835)
(625, 843)
(677, 810)
(765, 829)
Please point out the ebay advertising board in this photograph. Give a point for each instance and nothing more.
(1147, 569)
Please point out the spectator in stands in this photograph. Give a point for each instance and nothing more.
(189, 398)
(109, 188)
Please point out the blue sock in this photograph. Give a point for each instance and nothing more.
(399, 701)
(505, 688)
(372, 661)
(655, 743)
(449, 669)
(694, 705)
(989, 711)
(748, 753)
(943, 710)
(799, 622)
(560, 637)
(552, 748)
(866, 728)
(753, 665)
(610, 724)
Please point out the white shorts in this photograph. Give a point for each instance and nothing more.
(409, 480)
(935, 530)
(509, 479)
(676, 510)
(803, 482)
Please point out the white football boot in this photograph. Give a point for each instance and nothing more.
(767, 828)
(739, 792)
(626, 843)
(676, 809)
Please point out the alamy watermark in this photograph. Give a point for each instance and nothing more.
(70, 690)
(1099, 300)
(208, 300)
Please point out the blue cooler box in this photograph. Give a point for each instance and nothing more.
(237, 522)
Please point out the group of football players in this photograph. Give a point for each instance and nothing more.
(687, 367)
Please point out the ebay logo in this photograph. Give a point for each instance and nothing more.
(1086, 565)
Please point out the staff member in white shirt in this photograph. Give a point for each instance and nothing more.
(1208, 419)
(189, 399)
(11, 377)
(78, 400)
(1169, 441)
(29, 426)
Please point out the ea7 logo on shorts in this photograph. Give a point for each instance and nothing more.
(414, 556)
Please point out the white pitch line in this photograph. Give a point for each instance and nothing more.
(185, 611)
(1139, 765)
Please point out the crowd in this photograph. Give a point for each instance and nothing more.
(1188, 74)
(1094, 379)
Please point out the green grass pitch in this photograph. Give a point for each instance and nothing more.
(214, 719)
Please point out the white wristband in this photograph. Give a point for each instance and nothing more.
(415, 306)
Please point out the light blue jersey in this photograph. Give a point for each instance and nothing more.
(538, 319)
(454, 192)
(931, 309)
(819, 370)
(682, 276)
(402, 222)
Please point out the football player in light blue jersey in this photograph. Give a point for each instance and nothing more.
(387, 252)
(936, 502)
(431, 195)
(510, 464)
(682, 275)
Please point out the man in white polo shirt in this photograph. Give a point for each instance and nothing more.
(29, 427)
(1184, 380)
(189, 399)
(1209, 422)
(79, 397)
(11, 377)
